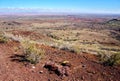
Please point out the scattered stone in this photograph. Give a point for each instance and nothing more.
(82, 77)
(64, 71)
(66, 63)
(33, 67)
(58, 69)
(41, 72)
(83, 66)
(92, 72)
(33, 71)
(48, 79)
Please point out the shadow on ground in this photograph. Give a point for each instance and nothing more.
(18, 58)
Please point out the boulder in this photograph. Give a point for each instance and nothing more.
(60, 70)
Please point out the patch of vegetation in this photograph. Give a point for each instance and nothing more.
(114, 24)
(3, 39)
(53, 36)
(31, 52)
(110, 60)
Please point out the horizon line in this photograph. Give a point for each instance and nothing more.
(51, 10)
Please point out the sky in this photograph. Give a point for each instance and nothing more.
(75, 6)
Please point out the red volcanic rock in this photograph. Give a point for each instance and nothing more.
(58, 69)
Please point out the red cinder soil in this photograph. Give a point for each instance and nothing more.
(84, 67)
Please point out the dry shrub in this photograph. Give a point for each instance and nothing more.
(31, 52)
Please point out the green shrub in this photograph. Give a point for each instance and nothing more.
(31, 52)
(114, 59)
(3, 39)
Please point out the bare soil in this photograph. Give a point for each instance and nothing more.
(84, 67)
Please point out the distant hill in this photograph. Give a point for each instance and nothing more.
(113, 22)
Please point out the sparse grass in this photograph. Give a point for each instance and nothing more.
(31, 52)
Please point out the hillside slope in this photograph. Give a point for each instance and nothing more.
(84, 67)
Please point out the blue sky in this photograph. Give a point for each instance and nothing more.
(82, 6)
